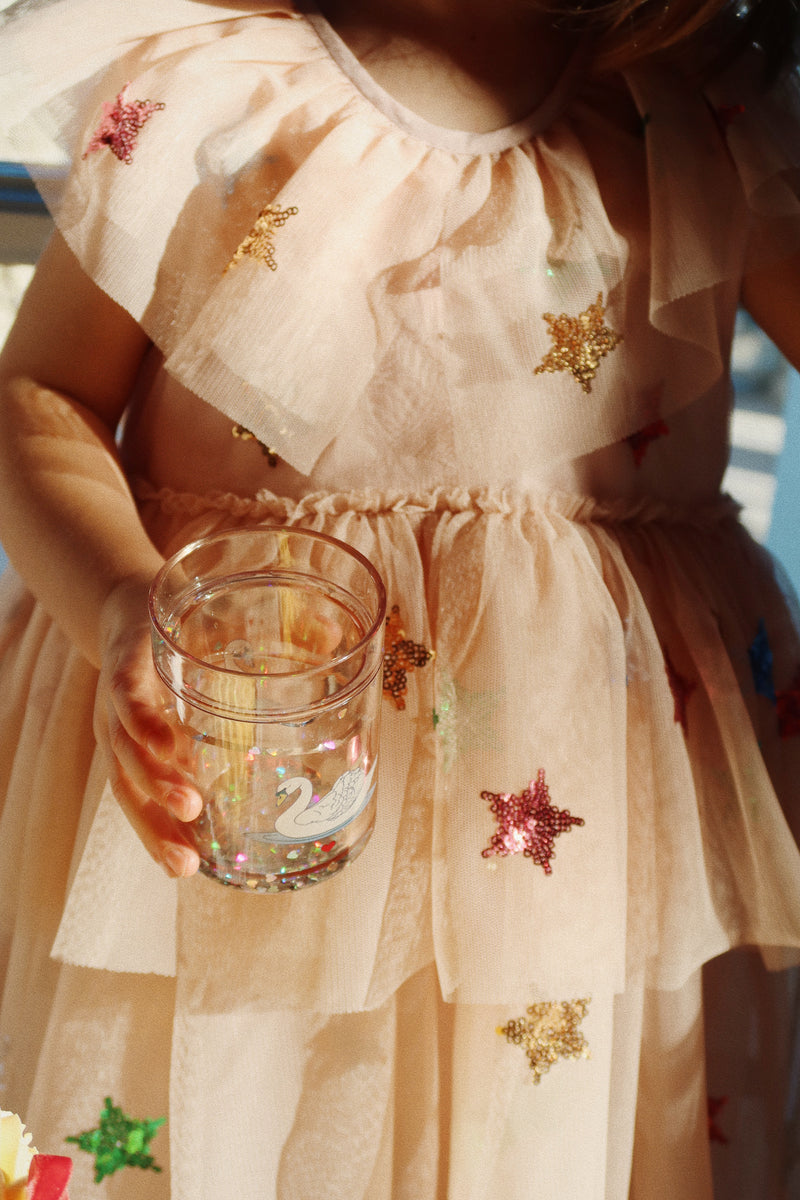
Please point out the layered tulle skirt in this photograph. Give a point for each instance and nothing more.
(481, 1003)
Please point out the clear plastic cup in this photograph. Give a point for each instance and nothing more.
(270, 643)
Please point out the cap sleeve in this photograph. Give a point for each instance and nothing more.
(189, 137)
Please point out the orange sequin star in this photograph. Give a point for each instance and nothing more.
(579, 343)
(547, 1032)
(120, 125)
(400, 656)
(259, 242)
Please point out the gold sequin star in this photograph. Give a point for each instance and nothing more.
(549, 1032)
(579, 343)
(400, 656)
(259, 242)
(245, 435)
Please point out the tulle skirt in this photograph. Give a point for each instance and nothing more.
(442, 1020)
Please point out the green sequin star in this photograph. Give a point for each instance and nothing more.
(118, 1141)
(463, 719)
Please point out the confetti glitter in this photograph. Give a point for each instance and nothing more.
(119, 1141)
(400, 656)
(715, 1106)
(640, 440)
(681, 689)
(245, 435)
(579, 343)
(547, 1032)
(120, 125)
(260, 242)
(760, 655)
(528, 824)
(787, 704)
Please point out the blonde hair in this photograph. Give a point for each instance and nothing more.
(701, 33)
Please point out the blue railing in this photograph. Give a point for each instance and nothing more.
(17, 190)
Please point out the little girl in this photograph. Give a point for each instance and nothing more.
(455, 283)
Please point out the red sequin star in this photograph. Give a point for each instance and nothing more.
(400, 656)
(715, 1105)
(681, 689)
(787, 704)
(728, 113)
(120, 125)
(641, 439)
(528, 824)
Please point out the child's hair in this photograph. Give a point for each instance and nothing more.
(703, 34)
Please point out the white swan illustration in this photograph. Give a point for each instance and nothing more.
(308, 820)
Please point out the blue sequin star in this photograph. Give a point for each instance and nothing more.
(760, 655)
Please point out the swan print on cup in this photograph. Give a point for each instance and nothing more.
(313, 816)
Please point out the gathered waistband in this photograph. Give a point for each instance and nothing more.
(375, 502)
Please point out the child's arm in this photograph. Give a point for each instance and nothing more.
(772, 297)
(71, 528)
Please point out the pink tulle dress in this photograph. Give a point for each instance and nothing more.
(497, 365)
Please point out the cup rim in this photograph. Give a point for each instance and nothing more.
(237, 531)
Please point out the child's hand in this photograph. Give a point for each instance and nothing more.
(135, 737)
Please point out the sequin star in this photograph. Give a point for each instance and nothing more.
(260, 242)
(547, 1032)
(728, 113)
(715, 1105)
(118, 1141)
(579, 343)
(641, 439)
(245, 435)
(400, 656)
(528, 824)
(681, 689)
(787, 704)
(120, 125)
(760, 654)
(462, 719)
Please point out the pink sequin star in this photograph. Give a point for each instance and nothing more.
(120, 125)
(681, 689)
(528, 824)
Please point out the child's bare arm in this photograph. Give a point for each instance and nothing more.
(772, 297)
(70, 525)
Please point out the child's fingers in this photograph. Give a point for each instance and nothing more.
(146, 794)
(159, 780)
(154, 828)
(137, 697)
(155, 777)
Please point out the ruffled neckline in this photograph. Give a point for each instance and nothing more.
(442, 137)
